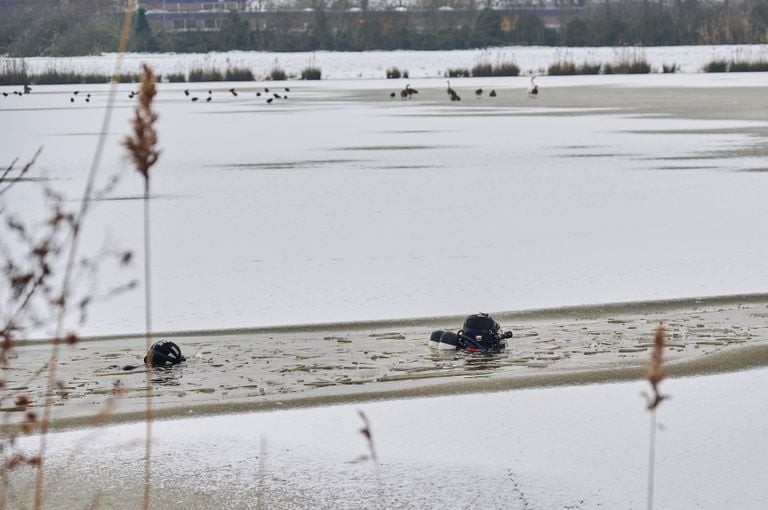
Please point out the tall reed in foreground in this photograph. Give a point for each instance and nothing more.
(62, 301)
(368, 435)
(656, 373)
(141, 146)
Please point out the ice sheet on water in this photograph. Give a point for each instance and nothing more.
(371, 209)
(569, 447)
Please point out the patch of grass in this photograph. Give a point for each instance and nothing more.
(568, 68)
(60, 78)
(670, 68)
(627, 67)
(590, 68)
(562, 68)
(277, 74)
(716, 66)
(502, 69)
(506, 69)
(238, 74)
(394, 73)
(197, 75)
(311, 73)
(482, 70)
(628, 60)
(457, 73)
(748, 67)
(174, 78)
(126, 78)
(13, 72)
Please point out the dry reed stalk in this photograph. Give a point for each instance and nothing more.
(262, 473)
(368, 435)
(656, 370)
(9, 180)
(142, 149)
(141, 146)
(62, 301)
(366, 432)
(656, 374)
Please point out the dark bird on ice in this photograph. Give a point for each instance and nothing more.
(195, 98)
(269, 101)
(407, 92)
(452, 94)
(233, 92)
(479, 92)
(258, 94)
(493, 93)
(392, 94)
(533, 90)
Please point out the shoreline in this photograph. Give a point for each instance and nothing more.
(268, 369)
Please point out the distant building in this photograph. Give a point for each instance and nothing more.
(193, 5)
(172, 20)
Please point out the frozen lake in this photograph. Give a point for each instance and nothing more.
(342, 204)
(580, 447)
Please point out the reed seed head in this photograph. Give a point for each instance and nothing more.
(142, 145)
(656, 370)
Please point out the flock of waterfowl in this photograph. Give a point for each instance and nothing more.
(26, 90)
(76, 95)
(269, 97)
(408, 91)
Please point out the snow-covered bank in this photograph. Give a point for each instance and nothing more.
(419, 64)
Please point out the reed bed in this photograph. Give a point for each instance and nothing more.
(394, 73)
(199, 75)
(569, 68)
(277, 74)
(13, 72)
(627, 67)
(311, 73)
(501, 69)
(736, 66)
(172, 78)
(238, 74)
(458, 73)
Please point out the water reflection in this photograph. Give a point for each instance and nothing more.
(170, 376)
(483, 360)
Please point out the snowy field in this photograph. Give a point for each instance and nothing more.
(419, 64)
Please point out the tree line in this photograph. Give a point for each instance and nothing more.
(82, 27)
